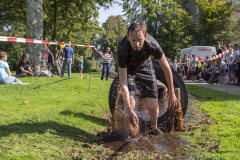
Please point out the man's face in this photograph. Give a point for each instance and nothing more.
(235, 48)
(136, 39)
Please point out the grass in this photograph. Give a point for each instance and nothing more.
(60, 120)
(221, 140)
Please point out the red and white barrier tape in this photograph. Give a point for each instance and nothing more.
(217, 56)
(35, 41)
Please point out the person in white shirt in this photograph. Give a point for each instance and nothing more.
(194, 62)
(233, 63)
(222, 67)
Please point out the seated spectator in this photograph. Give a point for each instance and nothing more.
(221, 68)
(23, 68)
(5, 73)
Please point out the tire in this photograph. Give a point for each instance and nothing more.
(177, 81)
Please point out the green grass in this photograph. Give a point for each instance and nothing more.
(60, 121)
(221, 140)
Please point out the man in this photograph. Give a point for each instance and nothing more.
(222, 67)
(219, 49)
(68, 59)
(233, 63)
(134, 60)
(107, 61)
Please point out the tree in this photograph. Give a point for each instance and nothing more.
(34, 19)
(216, 21)
(114, 29)
(167, 22)
(63, 20)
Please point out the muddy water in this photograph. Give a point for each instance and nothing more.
(164, 143)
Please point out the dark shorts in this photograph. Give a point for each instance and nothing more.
(145, 78)
(233, 68)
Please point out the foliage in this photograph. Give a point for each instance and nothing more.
(114, 29)
(167, 22)
(216, 21)
(63, 20)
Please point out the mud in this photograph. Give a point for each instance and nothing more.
(163, 143)
(167, 143)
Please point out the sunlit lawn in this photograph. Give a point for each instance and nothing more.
(224, 110)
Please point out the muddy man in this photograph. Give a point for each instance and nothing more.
(134, 64)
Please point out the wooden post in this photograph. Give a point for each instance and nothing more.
(178, 111)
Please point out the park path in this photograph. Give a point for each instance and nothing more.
(231, 89)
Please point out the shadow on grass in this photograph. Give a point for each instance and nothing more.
(51, 83)
(93, 119)
(53, 127)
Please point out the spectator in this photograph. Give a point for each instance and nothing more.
(175, 65)
(46, 52)
(68, 53)
(193, 63)
(222, 67)
(97, 56)
(107, 59)
(238, 72)
(50, 61)
(229, 57)
(185, 61)
(233, 63)
(219, 49)
(23, 67)
(5, 73)
(80, 65)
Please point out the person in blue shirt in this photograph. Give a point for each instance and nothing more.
(5, 73)
(68, 59)
(80, 65)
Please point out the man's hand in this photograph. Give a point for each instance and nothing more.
(172, 100)
(133, 118)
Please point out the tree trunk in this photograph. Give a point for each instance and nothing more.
(55, 65)
(34, 19)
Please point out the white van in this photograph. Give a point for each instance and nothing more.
(202, 51)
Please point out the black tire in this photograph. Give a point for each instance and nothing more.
(177, 81)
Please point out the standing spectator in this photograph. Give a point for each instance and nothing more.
(97, 56)
(50, 61)
(23, 68)
(233, 63)
(107, 59)
(185, 61)
(219, 49)
(46, 52)
(5, 73)
(193, 63)
(68, 59)
(226, 49)
(175, 65)
(229, 57)
(238, 72)
(80, 65)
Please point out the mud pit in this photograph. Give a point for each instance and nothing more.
(171, 144)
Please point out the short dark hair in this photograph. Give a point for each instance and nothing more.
(3, 54)
(235, 45)
(137, 26)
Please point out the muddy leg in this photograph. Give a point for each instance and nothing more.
(153, 110)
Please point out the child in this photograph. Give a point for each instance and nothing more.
(5, 73)
(80, 65)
